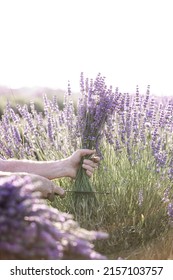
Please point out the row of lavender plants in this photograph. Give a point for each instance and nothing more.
(134, 179)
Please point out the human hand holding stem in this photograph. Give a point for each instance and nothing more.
(73, 166)
(78, 158)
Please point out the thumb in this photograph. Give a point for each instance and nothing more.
(59, 191)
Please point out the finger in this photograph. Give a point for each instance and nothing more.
(89, 173)
(90, 163)
(84, 152)
(95, 159)
(88, 167)
(59, 191)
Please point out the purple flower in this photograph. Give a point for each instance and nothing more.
(170, 210)
(29, 229)
(95, 107)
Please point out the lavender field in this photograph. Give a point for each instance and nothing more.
(133, 186)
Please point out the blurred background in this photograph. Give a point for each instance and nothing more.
(45, 43)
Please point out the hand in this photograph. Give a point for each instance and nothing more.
(88, 164)
(47, 188)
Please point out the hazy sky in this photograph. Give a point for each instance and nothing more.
(48, 42)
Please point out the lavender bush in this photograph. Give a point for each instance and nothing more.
(29, 229)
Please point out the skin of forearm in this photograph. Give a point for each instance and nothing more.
(47, 169)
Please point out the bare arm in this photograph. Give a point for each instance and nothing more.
(47, 169)
(42, 172)
(53, 169)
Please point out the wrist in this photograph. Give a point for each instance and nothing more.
(60, 169)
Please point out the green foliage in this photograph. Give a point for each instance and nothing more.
(129, 222)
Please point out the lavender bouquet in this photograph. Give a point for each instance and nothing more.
(96, 104)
